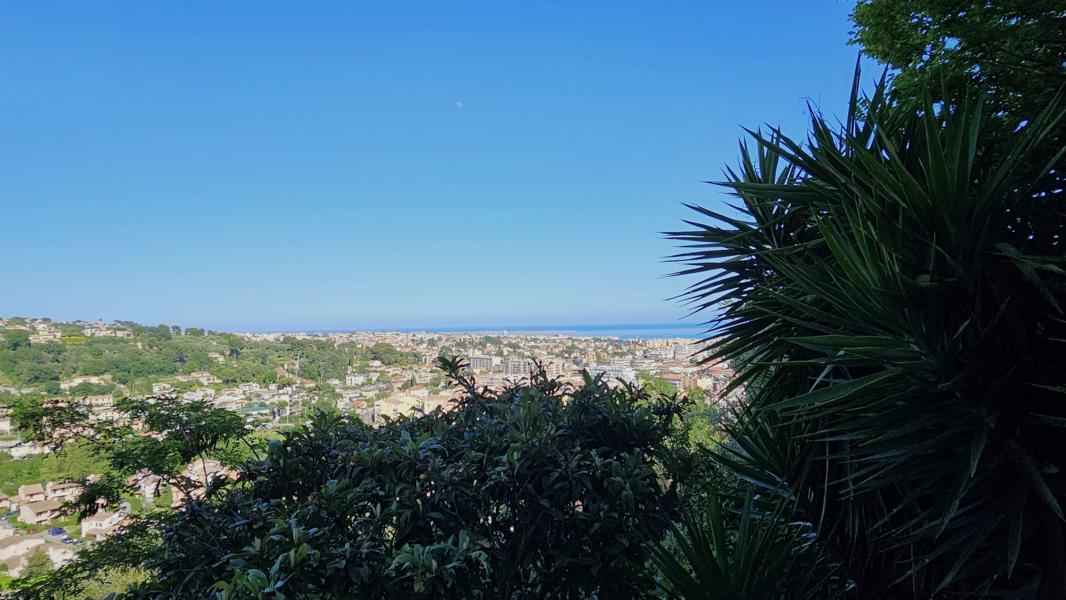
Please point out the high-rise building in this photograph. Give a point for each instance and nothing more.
(519, 366)
(481, 363)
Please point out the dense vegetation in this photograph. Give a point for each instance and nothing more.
(1016, 49)
(158, 352)
(77, 462)
(891, 295)
(541, 490)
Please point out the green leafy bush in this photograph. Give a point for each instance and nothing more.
(541, 490)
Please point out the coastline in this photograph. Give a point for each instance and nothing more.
(614, 330)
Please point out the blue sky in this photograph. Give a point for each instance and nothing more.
(347, 165)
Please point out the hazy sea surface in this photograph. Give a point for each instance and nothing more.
(623, 331)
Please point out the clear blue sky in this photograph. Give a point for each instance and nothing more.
(346, 165)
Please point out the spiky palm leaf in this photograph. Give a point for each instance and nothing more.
(891, 296)
(746, 555)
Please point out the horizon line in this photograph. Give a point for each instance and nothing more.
(488, 328)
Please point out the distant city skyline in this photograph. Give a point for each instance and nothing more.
(370, 167)
(620, 330)
(680, 329)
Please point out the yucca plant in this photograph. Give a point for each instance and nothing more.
(891, 295)
(746, 554)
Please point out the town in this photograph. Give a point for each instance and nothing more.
(273, 381)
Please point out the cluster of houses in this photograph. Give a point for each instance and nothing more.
(375, 392)
(68, 384)
(44, 331)
(102, 330)
(15, 549)
(41, 332)
(39, 504)
(404, 402)
(390, 391)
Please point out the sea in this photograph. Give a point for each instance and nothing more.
(621, 331)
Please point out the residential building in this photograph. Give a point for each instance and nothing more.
(39, 513)
(519, 367)
(205, 378)
(14, 549)
(481, 363)
(68, 384)
(60, 554)
(102, 524)
(45, 336)
(445, 402)
(33, 492)
(28, 449)
(9, 503)
(63, 491)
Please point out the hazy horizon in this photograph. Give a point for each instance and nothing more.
(690, 329)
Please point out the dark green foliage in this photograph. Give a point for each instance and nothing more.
(389, 355)
(91, 389)
(539, 491)
(892, 299)
(121, 358)
(36, 372)
(753, 555)
(160, 352)
(16, 338)
(1015, 48)
(517, 495)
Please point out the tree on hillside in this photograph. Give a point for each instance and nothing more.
(656, 384)
(16, 338)
(891, 296)
(37, 564)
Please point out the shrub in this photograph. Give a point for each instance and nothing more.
(541, 490)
